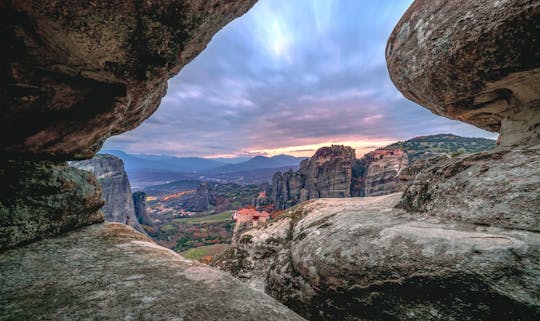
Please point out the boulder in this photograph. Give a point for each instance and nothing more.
(363, 259)
(111, 272)
(43, 199)
(494, 188)
(474, 61)
(77, 72)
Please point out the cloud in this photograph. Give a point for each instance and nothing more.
(286, 75)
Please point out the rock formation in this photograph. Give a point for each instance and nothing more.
(139, 203)
(474, 61)
(39, 199)
(79, 72)
(327, 173)
(202, 199)
(462, 242)
(110, 272)
(496, 188)
(363, 259)
(73, 74)
(115, 187)
(381, 173)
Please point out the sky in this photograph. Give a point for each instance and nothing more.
(289, 77)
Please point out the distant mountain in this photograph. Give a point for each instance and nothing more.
(145, 170)
(165, 162)
(232, 160)
(424, 146)
(252, 176)
(261, 162)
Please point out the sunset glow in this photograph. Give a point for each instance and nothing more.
(289, 77)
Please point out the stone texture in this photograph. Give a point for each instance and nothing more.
(383, 168)
(475, 61)
(43, 199)
(408, 174)
(286, 189)
(495, 188)
(139, 203)
(363, 259)
(116, 190)
(111, 272)
(78, 72)
(327, 173)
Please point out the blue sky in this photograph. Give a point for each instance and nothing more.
(289, 77)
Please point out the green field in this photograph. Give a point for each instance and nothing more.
(204, 253)
(215, 218)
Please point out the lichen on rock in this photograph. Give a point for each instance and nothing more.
(42, 199)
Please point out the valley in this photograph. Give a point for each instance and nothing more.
(200, 217)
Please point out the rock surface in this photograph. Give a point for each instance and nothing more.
(496, 188)
(381, 176)
(408, 174)
(116, 190)
(43, 199)
(78, 72)
(363, 259)
(327, 173)
(475, 61)
(111, 272)
(139, 203)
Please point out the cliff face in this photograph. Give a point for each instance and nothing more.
(380, 175)
(139, 203)
(116, 191)
(202, 199)
(334, 172)
(328, 173)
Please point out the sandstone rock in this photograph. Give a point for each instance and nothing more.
(475, 61)
(78, 72)
(326, 174)
(116, 190)
(362, 259)
(286, 189)
(408, 174)
(200, 202)
(111, 272)
(139, 203)
(43, 199)
(382, 171)
(495, 188)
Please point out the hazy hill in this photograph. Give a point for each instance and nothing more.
(261, 162)
(165, 162)
(442, 143)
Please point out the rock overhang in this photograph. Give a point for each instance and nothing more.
(76, 73)
(473, 61)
